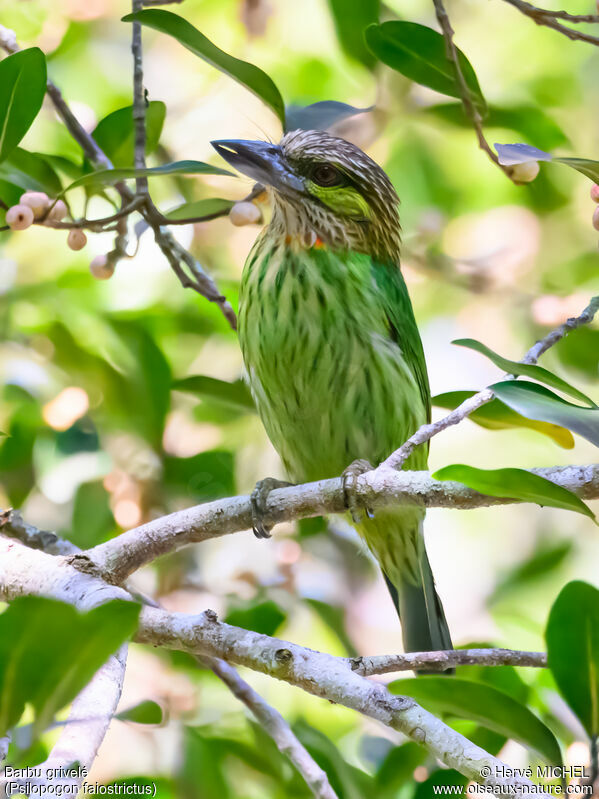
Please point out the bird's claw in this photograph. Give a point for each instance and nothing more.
(258, 499)
(349, 477)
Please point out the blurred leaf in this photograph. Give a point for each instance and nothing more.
(312, 526)
(495, 415)
(590, 169)
(202, 477)
(203, 767)
(347, 781)
(334, 618)
(264, 617)
(432, 785)
(16, 449)
(58, 651)
(537, 402)
(397, 769)
(319, 116)
(527, 369)
(351, 18)
(486, 705)
(527, 119)
(540, 564)
(510, 154)
(236, 393)
(92, 518)
(580, 349)
(22, 90)
(30, 172)
(419, 53)
(250, 76)
(146, 712)
(515, 484)
(104, 177)
(115, 133)
(213, 206)
(572, 637)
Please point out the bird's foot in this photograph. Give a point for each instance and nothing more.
(349, 477)
(258, 499)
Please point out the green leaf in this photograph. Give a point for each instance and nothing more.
(537, 402)
(208, 475)
(30, 172)
(214, 206)
(115, 133)
(539, 566)
(495, 415)
(319, 116)
(572, 637)
(105, 177)
(590, 169)
(146, 712)
(263, 617)
(250, 76)
(22, 90)
(484, 704)
(49, 651)
(527, 369)
(514, 484)
(397, 769)
(419, 53)
(433, 785)
(334, 618)
(235, 394)
(92, 520)
(351, 18)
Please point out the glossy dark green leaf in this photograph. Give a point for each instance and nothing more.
(49, 652)
(22, 90)
(30, 172)
(514, 484)
(529, 120)
(572, 637)
(115, 133)
(211, 207)
(537, 402)
(319, 116)
(528, 369)
(486, 705)
(419, 53)
(105, 177)
(250, 76)
(146, 712)
(346, 780)
(262, 617)
(495, 415)
(236, 393)
(351, 18)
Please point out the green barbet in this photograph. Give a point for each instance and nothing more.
(332, 350)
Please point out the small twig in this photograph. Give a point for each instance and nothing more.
(443, 660)
(96, 225)
(468, 104)
(12, 525)
(549, 19)
(139, 102)
(427, 431)
(276, 726)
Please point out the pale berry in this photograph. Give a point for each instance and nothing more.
(19, 217)
(101, 268)
(596, 218)
(245, 213)
(595, 193)
(76, 239)
(38, 201)
(58, 211)
(524, 173)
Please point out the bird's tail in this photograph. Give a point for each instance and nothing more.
(423, 623)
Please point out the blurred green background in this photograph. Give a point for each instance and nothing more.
(98, 442)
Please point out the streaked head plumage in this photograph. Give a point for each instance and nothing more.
(323, 186)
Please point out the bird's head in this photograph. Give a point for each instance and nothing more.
(322, 187)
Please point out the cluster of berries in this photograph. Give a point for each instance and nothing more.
(36, 206)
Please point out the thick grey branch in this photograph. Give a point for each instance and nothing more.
(121, 556)
(443, 660)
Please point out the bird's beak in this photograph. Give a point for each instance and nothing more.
(261, 161)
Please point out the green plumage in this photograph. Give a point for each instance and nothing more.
(332, 350)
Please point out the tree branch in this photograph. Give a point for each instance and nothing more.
(427, 431)
(276, 726)
(443, 660)
(549, 19)
(139, 102)
(468, 103)
(28, 572)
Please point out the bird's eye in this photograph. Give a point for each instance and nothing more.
(326, 175)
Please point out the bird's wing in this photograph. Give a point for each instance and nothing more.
(402, 326)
